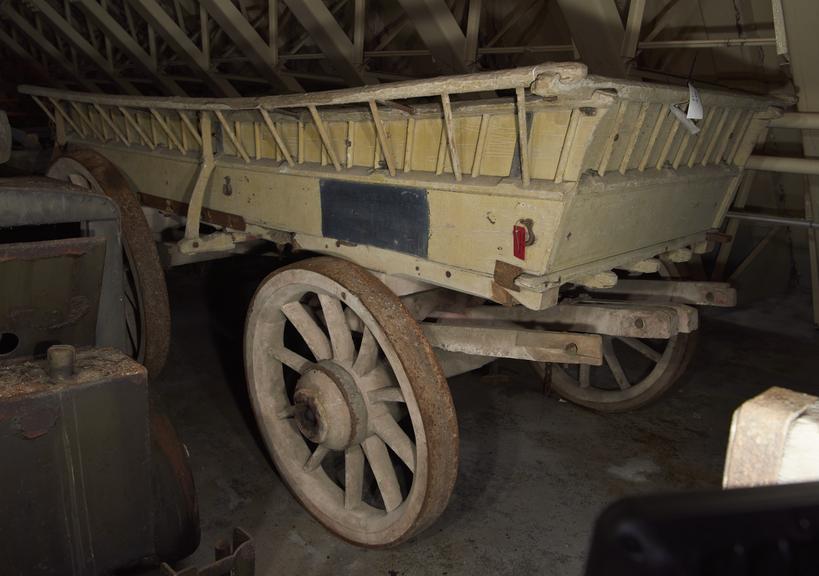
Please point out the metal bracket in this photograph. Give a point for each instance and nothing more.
(234, 558)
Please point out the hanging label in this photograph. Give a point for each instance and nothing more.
(694, 103)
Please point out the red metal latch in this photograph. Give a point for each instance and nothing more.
(519, 241)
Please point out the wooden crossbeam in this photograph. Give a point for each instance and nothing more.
(129, 46)
(80, 43)
(177, 38)
(248, 41)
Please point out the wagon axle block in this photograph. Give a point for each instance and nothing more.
(328, 407)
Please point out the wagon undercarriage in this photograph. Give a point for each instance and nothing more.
(505, 214)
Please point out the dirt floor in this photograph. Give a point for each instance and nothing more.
(535, 471)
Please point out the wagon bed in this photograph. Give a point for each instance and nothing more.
(426, 180)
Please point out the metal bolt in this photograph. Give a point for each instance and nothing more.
(639, 324)
(61, 359)
(571, 349)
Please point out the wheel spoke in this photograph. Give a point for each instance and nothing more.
(642, 348)
(388, 394)
(353, 476)
(585, 375)
(384, 472)
(310, 331)
(340, 336)
(367, 354)
(614, 364)
(290, 359)
(315, 458)
(391, 433)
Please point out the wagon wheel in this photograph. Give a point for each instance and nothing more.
(147, 312)
(635, 372)
(351, 401)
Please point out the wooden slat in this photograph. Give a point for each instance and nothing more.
(615, 130)
(233, 137)
(114, 128)
(450, 137)
(135, 125)
(167, 129)
(655, 133)
(635, 135)
(325, 138)
(523, 135)
(268, 121)
(481, 144)
(381, 132)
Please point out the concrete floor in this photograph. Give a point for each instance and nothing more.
(534, 472)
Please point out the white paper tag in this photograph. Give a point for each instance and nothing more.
(694, 104)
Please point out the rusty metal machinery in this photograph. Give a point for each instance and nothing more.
(82, 490)
(80, 437)
(61, 274)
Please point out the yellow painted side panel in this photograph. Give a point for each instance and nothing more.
(500, 146)
(546, 137)
(466, 138)
(363, 144)
(397, 137)
(475, 230)
(616, 215)
(428, 134)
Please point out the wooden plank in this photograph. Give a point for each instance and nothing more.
(539, 345)
(325, 137)
(634, 24)
(382, 137)
(523, 135)
(450, 137)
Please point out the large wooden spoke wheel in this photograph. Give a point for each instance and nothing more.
(147, 312)
(635, 372)
(351, 401)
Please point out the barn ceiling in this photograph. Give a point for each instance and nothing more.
(248, 47)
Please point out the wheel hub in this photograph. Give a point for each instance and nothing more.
(329, 409)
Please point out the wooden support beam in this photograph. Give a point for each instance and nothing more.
(523, 135)
(524, 344)
(273, 30)
(202, 178)
(801, 22)
(44, 45)
(325, 138)
(66, 117)
(247, 39)
(449, 126)
(135, 125)
(276, 136)
(20, 52)
(234, 137)
(473, 23)
(80, 43)
(359, 32)
(330, 38)
(167, 130)
(177, 39)
(634, 24)
(597, 33)
(110, 123)
(129, 46)
(381, 131)
(439, 31)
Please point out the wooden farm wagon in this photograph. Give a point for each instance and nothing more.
(458, 219)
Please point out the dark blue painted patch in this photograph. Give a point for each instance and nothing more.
(391, 217)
